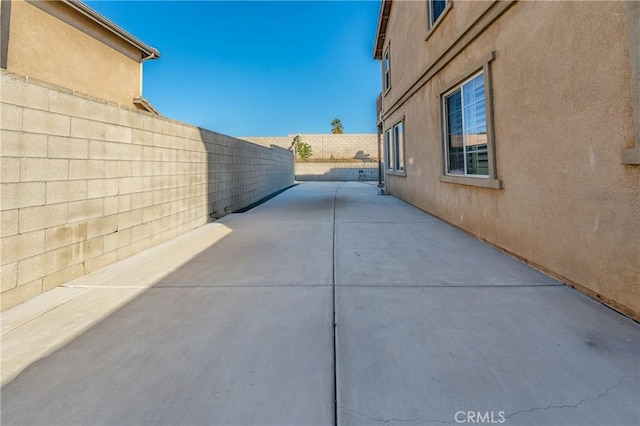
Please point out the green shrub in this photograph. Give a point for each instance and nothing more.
(303, 149)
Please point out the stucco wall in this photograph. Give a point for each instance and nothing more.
(85, 183)
(358, 146)
(562, 101)
(45, 47)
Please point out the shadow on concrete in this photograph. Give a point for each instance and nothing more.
(200, 346)
(243, 332)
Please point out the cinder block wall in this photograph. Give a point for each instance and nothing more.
(85, 183)
(346, 146)
(360, 148)
(360, 171)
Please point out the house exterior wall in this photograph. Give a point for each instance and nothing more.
(563, 111)
(61, 47)
(85, 183)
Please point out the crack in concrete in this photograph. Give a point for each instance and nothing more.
(530, 410)
(396, 420)
(582, 401)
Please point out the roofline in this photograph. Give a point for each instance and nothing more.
(145, 105)
(383, 19)
(148, 51)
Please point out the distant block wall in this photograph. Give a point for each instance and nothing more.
(361, 171)
(85, 183)
(358, 146)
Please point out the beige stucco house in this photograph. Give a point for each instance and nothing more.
(68, 44)
(519, 122)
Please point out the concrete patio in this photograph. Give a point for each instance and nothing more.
(233, 324)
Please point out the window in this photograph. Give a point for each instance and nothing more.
(398, 147)
(394, 148)
(388, 151)
(386, 65)
(466, 129)
(436, 9)
(467, 118)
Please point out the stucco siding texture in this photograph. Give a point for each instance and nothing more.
(47, 48)
(86, 183)
(562, 103)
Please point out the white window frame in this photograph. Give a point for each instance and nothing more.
(460, 88)
(388, 150)
(433, 21)
(487, 181)
(386, 69)
(398, 146)
(394, 148)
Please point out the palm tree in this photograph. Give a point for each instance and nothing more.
(336, 127)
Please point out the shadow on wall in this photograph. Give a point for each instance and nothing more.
(366, 157)
(329, 147)
(361, 174)
(87, 183)
(239, 173)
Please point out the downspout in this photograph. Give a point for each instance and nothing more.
(139, 101)
(152, 55)
(5, 24)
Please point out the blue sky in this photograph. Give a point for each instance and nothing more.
(260, 68)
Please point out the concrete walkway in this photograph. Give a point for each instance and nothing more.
(233, 324)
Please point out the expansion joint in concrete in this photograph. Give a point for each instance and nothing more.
(335, 320)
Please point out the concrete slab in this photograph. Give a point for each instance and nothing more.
(393, 212)
(293, 253)
(232, 324)
(40, 326)
(148, 267)
(42, 335)
(424, 254)
(134, 344)
(363, 195)
(533, 355)
(361, 203)
(303, 203)
(190, 356)
(26, 312)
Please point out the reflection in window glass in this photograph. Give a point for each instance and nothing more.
(466, 129)
(387, 70)
(388, 150)
(436, 9)
(398, 143)
(455, 147)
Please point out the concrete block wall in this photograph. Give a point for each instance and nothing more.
(360, 148)
(360, 171)
(346, 146)
(85, 183)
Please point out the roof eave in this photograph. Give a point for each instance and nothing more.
(144, 105)
(383, 19)
(148, 52)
